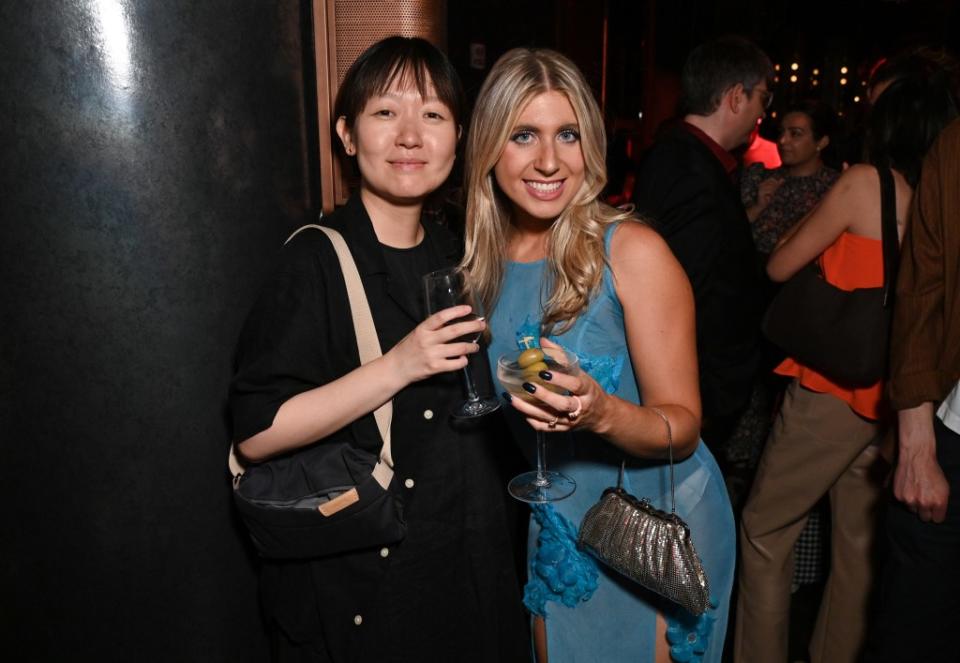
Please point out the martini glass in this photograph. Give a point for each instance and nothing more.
(513, 369)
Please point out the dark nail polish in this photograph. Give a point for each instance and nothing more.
(507, 397)
(546, 375)
(529, 387)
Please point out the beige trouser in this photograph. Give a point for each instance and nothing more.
(817, 445)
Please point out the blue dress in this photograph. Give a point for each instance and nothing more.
(592, 613)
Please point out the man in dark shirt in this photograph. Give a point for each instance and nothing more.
(686, 188)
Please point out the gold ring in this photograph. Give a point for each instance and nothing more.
(553, 424)
(576, 412)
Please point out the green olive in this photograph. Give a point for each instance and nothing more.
(533, 370)
(530, 357)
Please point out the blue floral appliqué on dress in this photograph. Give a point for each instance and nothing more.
(559, 572)
(605, 369)
(689, 636)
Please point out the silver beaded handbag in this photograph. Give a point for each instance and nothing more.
(647, 545)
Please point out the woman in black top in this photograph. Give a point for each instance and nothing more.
(447, 591)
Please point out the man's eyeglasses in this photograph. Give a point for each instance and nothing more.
(767, 97)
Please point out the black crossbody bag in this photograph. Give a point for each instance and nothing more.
(330, 497)
(841, 334)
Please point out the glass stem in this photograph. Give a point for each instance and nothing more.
(468, 383)
(541, 479)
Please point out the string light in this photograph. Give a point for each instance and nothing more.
(776, 67)
(793, 78)
(843, 81)
(843, 70)
(816, 72)
(794, 66)
(856, 100)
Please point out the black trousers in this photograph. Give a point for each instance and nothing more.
(918, 599)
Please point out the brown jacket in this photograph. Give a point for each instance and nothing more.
(925, 342)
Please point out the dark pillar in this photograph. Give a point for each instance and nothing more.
(153, 157)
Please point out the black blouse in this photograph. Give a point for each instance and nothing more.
(448, 590)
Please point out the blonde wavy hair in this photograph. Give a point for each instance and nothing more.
(575, 251)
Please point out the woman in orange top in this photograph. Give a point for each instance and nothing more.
(825, 438)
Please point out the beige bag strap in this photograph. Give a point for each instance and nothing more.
(368, 345)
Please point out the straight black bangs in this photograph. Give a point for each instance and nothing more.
(399, 62)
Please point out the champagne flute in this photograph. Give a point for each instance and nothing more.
(445, 288)
(513, 369)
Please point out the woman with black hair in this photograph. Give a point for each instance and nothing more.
(777, 198)
(825, 439)
(447, 590)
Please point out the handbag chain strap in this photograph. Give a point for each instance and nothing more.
(673, 496)
(888, 229)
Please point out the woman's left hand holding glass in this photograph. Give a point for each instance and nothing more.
(579, 404)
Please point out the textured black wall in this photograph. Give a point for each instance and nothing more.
(153, 156)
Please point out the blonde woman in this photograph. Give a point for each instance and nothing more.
(553, 264)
